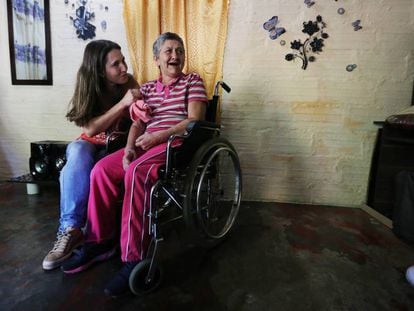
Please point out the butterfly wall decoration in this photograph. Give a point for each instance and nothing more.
(357, 25)
(309, 3)
(270, 26)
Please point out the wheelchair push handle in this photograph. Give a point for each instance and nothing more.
(223, 85)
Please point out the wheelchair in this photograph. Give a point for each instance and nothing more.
(200, 184)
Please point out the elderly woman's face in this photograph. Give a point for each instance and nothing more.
(171, 59)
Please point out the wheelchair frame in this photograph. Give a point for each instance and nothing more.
(195, 174)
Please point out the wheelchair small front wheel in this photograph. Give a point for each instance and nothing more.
(140, 282)
(213, 191)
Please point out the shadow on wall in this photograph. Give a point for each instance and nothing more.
(5, 168)
(270, 145)
(297, 189)
(9, 154)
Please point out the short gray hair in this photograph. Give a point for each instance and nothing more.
(156, 47)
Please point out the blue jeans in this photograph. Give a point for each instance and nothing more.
(74, 180)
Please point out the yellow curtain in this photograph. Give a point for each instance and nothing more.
(202, 24)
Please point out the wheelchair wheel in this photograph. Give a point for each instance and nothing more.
(138, 281)
(213, 191)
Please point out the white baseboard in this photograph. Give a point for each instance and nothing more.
(381, 218)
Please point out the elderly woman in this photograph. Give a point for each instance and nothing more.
(169, 104)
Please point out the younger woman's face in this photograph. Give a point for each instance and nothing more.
(116, 68)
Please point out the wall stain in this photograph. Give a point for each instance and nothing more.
(314, 107)
(352, 124)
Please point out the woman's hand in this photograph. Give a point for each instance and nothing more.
(131, 96)
(148, 140)
(129, 156)
(136, 93)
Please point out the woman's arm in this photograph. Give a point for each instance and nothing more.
(137, 128)
(196, 111)
(103, 122)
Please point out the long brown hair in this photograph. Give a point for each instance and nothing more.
(90, 82)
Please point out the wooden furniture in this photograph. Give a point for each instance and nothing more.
(394, 152)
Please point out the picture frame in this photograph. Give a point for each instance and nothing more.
(29, 42)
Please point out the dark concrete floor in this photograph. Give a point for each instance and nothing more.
(278, 257)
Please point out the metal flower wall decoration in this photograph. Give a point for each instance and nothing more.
(313, 44)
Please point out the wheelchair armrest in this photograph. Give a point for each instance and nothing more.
(206, 125)
(115, 140)
(196, 133)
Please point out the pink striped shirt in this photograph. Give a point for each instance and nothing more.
(169, 103)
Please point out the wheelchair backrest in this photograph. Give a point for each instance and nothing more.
(211, 112)
(198, 133)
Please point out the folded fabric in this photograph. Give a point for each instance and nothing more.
(98, 139)
(140, 111)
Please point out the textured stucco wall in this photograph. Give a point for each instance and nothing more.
(302, 135)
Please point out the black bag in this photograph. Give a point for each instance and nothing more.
(403, 212)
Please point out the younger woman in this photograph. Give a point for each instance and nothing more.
(103, 93)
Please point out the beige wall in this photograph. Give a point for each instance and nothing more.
(307, 136)
(302, 135)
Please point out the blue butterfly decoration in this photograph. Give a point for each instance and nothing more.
(309, 3)
(357, 25)
(274, 31)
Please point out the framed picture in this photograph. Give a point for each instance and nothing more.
(29, 42)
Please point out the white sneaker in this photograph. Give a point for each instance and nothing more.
(65, 243)
(410, 275)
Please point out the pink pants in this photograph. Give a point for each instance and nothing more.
(105, 190)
